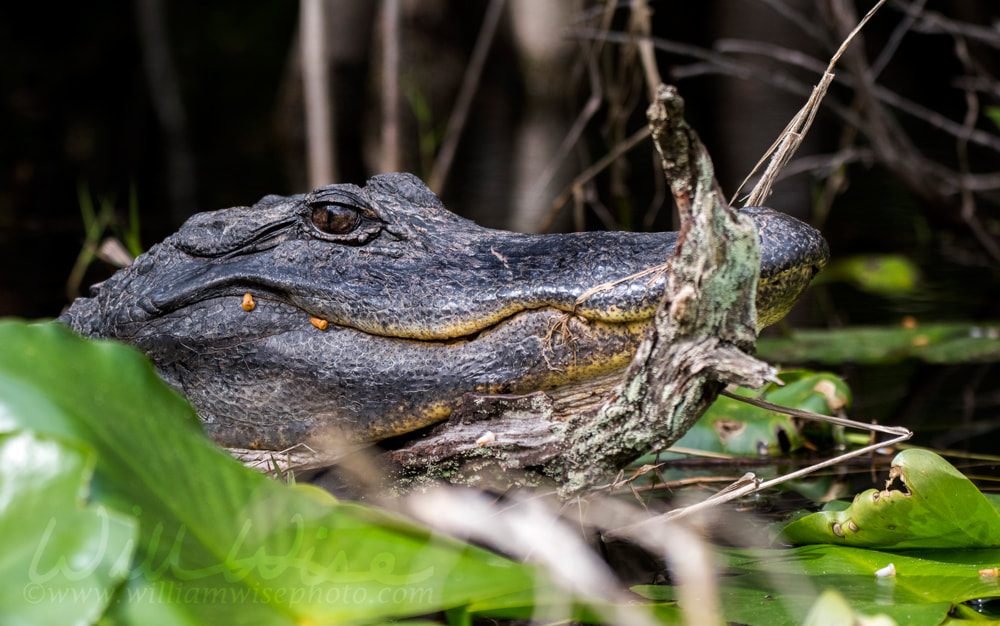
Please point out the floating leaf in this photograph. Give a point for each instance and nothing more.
(934, 507)
(832, 609)
(943, 511)
(554, 604)
(219, 543)
(775, 587)
(934, 343)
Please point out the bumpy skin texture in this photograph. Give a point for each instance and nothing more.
(422, 305)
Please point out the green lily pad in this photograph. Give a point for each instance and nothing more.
(933, 343)
(949, 530)
(217, 542)
(733, 427)
(552, 604)
(62, 559)
(934, 507)
(832, 609)
(774, 587)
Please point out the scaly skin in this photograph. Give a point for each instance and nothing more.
(422, 306)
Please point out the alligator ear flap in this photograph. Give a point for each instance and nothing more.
(407, 187)
(216, 233)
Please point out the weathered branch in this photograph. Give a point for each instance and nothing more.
(707, 319)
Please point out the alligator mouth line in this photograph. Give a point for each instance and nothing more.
(552, 323)
(557, 321)
(573, 347)
(639, 312)
(559, 327)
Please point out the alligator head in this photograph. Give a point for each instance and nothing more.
(417, 307)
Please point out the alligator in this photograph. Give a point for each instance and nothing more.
(367, 312)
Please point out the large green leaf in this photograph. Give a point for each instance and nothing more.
(219, 543)
(935, 507)
(60, 558)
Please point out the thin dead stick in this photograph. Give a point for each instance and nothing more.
(640, 19)
(835, 460)
(890, 48)
(694, 481)
(782, 150)
(589, 110)
(703, 454)
(470, 83)
(592, 171)
(744, 485)
(816, 417)
(968, 211)
(750, 483)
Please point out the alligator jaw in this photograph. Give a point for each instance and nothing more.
(269, 360)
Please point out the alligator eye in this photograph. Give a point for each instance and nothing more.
(335, 219)
(338, 215)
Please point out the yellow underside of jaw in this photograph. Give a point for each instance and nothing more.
(778, 293)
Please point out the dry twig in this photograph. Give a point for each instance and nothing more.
(470, 83)
(782, 150)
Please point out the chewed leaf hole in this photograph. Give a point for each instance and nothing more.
(935, 507)
(896, 472)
